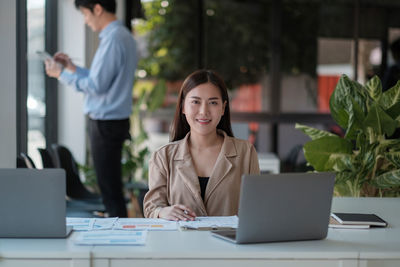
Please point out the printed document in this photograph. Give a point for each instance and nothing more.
(88, 224)
(104, 223)
(111, 237)
(210, 223)
(80, 224)
(145, 224)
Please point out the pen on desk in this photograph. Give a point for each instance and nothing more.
(186, 213)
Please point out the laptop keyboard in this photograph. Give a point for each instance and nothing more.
(229, 234)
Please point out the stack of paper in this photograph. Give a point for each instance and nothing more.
(111, 237)
(133, 231)
(89, 224)
(333, 223)
(210, 223)
(80, 224)
(145, 224)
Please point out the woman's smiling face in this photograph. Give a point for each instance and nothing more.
(203, 108)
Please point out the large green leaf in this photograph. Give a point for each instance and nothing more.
(391, 144)
(343, 176)
(366, 163)
(388, 179)
(336, 104)
(348, 99)
(362, 143)
(380, 121)
(391, 97)
(356, 117)
(337, 101)
(374, 88)
(394, 111)
(340, 162)
(313, 133)
(318, 151)
(393, 157)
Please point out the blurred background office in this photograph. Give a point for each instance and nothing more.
(281, 61)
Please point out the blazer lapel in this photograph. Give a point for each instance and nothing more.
(222, 166)
(187, 173)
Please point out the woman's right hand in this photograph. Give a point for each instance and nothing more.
(177, 213)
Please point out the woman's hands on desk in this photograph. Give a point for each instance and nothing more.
(177, 213)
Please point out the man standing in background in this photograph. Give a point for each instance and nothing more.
(107, 86)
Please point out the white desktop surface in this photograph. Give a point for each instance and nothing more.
(375, 243)
(342, 247)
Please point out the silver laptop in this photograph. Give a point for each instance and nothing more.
(32, 203)
(282, 207)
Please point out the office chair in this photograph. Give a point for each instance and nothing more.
(142, 189)
(64, 159)
(21, 162)
(47, 159)
(28, 161)
(79, 199)
(291, 162)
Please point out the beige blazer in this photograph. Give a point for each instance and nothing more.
(173, 179)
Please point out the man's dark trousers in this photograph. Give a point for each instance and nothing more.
(106, 141)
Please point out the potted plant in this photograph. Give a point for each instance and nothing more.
(135, 153)
(367, 159)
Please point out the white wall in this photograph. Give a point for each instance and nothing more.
(8, 127)
(71, 120)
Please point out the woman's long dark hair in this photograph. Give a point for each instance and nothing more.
(180, 126)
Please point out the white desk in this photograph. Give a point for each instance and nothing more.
(343, 247)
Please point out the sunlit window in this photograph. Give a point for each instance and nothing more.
(36, 106)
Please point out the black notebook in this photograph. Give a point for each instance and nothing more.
(359, 218)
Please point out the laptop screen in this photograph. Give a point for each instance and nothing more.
(32, 203)
(284, 207)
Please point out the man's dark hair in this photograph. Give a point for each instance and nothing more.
(108, 5)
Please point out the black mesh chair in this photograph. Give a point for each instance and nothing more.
(21, 162)
(80, 201)
(64, 159)
(28, 161)
(47, 159)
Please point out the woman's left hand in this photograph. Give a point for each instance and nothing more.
(177, 213)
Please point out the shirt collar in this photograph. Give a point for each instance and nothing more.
(112, 25)
(228, 147)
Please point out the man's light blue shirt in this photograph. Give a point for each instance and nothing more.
(108, 83)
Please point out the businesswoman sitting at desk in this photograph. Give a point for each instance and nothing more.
(199, 172)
